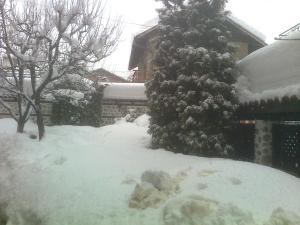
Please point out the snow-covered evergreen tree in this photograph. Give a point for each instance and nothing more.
(192, 97)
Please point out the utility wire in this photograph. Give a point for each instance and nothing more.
(136, 24)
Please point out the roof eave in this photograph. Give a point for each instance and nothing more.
(247, 32)
(135, 45)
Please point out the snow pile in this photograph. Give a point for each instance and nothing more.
(85, 175)
(155, 189)
(198, 210)
(282, 217)
(128, 91)
(272, 71)
(142, 121)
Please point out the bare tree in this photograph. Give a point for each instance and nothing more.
(47, 41)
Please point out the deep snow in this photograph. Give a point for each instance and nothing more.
(272, 71)
(84, 175)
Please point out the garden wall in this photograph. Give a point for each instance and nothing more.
(121, 99)
(113, 109)
(118, 101)
(46, 109)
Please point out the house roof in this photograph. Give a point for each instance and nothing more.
(272, 71)
(105, 76)
(137, 46)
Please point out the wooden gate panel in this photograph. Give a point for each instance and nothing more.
(243, 142)
(286, 148)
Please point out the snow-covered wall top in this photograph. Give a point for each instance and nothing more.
(272, 71)
(129, 91)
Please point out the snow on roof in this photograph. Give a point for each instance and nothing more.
(152, 25)
(148, 25)
(128, 91)
(272, 71)
(259, 36)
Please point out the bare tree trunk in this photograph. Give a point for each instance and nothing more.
(39, 118)
(21, 125)
(40, 123)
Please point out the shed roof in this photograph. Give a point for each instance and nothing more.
(272, 71)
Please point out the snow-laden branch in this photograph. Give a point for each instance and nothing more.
(51, 39)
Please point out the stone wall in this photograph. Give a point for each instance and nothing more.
(113, 109)
(46, 110)
(263, 142)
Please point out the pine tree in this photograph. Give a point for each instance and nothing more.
(192, 96)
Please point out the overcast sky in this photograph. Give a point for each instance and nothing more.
(271, 17)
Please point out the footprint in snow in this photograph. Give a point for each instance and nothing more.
(202, 186)
(60, 161)
(205, 173)
(235, 181)
(129, 180)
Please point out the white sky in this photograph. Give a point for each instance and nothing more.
(271, 17)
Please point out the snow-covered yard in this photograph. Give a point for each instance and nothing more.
(108, 175)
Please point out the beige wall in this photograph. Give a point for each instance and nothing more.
(241, 51)
(146, 63)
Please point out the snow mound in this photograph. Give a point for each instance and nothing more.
(145, 195)
(195, 209)
(160, 180)
(155, 188)
(142, 121)
(282, 217)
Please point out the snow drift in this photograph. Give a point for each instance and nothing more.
(85, 175)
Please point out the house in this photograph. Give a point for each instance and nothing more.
(143, 48)
(105, 76)
(269, 92)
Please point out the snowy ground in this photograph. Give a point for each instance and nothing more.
(89, 176)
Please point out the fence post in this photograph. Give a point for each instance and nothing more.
(263, 142)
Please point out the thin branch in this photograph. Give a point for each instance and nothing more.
(9, 109)
(20, 93)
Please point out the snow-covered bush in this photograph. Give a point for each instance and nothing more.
(131, 116)
(79, 103)
(192, 97)
(74, 82)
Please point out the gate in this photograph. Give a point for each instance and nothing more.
(243, 141)
(286, 147)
